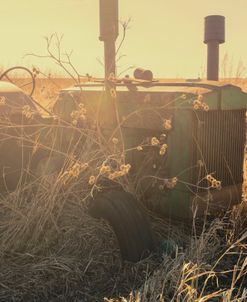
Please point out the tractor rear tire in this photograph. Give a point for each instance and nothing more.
(128, 220)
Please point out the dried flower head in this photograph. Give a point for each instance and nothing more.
(115, 140)
(171, 182)
(163, 149)
(105, 169)
(198, 104)
(155, 141)
(92, 180)
(200, 97)
(79, 114)
(115, 175)
(27, 112)
(139, 148)
(82, 107)
(111, 77)
(161, 187)
(167, 124)
(125, 168)
(216, 184)
(113, 93)
(26, 108)
(169, 185)
(2, 101)
(74, 170)
(35, 71)
(209, 177)
(174, 179)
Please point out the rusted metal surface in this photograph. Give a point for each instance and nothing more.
(110, 60)
(109, 33)
(14, 101)
(213, 61)
(29, 86)
(219, 142)
(8, 87)
(217, 201)
(108, 20)
(214, 29)
(143, 74)
(177, 85)
(213, 36)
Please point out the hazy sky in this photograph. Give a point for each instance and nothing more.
(165, 35)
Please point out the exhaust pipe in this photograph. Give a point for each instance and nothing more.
(213, 36)
(220, 201)
(109, 33)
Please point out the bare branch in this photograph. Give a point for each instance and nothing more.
(125, 70)
(54, 53)
(125, 27)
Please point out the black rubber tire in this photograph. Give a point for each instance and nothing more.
(128, 220)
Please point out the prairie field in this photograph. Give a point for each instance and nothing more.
(51, 249)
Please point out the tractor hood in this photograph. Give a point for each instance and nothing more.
(144, 104)
(13, 99)
(9, 87)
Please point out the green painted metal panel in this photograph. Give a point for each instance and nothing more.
(186, 100)
(179, 105)
(180, 159)
(233, 98)
(212, 99)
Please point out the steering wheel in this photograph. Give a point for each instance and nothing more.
(16, 75)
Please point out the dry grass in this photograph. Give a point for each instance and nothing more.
(52, 250)
(47, 89)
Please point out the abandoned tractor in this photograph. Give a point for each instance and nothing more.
(183, 141)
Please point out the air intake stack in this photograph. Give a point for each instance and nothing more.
(213, 36)
(109, 33)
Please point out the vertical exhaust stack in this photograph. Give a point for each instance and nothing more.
(213, 36)
(109, 33)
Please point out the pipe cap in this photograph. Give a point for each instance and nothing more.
(214, 29)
